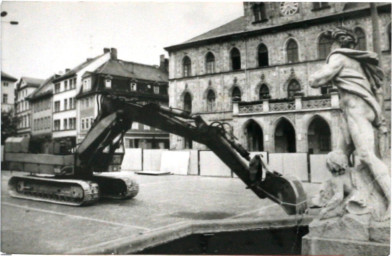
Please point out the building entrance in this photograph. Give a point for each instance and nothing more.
(285, 137)
(254, 135)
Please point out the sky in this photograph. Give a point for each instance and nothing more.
(53, 36)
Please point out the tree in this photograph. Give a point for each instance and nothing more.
(8, 125)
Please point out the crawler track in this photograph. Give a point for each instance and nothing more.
(58, 191)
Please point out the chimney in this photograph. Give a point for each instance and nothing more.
(113, 53)
(106, 50)
(163, 63)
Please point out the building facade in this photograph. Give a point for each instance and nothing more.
(24, 88)
(65, 88)
(253, 73)
(7, 92)
(135, 81)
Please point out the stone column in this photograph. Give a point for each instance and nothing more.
(334, 98)
(236, 109)
(266, 105)
(298, 100)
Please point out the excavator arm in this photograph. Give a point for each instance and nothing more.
(255, 173)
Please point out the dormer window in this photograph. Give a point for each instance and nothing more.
(87, 84)
(320, 5)
(259, 12)
(156, 89)
(108, 82)
(133, 87)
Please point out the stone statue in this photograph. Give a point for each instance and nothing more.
(359, 82)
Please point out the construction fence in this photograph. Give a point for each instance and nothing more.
(306, 167)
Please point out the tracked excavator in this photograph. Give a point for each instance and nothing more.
(84, 176)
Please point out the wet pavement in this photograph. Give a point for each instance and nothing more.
(164, 205)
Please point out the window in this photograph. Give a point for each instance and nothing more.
(65, 85)
(65, 104)
(65, 124)
(259, 12)
(5, 98)
(262, 55)
(324, 90)
(292, 51)
(324, 47)
(108, 83)
(146, 128)
(235, 59)
(5, 84)
(210, 63)
(236, 94)
(57, 88)
(188, 102)
(87, 123)
(210, 100)
(135, 126)
(56, 125)
(91, 121)
(263, 92)
(71, 103)
(133, 87)
(187, 66)
(361, 39)
(292, 88)
(86, 84)
(320, 5)
(72, 122)
(156, 89)
(56, 106)
(82, 124)
(74, 83)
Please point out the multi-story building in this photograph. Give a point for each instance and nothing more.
(7, 92)
(140, 82)
(41, 115)
(24, 88)
(65, 89)
(253, 73)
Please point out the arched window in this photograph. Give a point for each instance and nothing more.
(285, 137)
(292, 51)
(210, 63)
(186, 66)
(254, 136)
(210, 101)
(319, 136)
(259, 12)
(236, 94)
(324, 47)
(235, 59)
(187, 102)
(361, 39)
(263, 92)
(292, 88)
(262, 54)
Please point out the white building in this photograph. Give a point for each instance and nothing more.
(24, 88)
(7, 92)
(66, 87)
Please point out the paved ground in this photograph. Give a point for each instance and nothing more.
(163, 202)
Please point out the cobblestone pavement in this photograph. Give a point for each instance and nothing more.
(30, 227)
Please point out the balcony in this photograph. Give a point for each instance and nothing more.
(298, 104)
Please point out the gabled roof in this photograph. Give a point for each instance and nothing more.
(7, 77)
(133, 70)
(76, 69)
(31, 81)
(235, 26)
(44, 89)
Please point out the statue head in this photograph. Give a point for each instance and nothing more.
(344, 37)
(337, 163)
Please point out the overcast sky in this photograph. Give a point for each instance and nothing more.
(53, 36)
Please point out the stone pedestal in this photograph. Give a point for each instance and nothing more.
(347, 235)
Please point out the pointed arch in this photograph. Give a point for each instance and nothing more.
(211, 100)
(236, 94)
(324, 46)
(210, 63)
(186, 66)
(285, 136)
(254, 135)
(235, 57)
(292, 51)
(361, 36)
(262, 55)
(293, 87)
(263, 91)
(188, 102)
(319, 135)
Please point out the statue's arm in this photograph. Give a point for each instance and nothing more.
(327, 72)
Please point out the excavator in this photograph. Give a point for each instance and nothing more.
(84, 176)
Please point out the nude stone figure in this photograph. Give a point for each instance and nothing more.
(359, 81)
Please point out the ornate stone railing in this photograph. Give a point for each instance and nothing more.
(251, 108)
(281, 106)
(316, 103)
